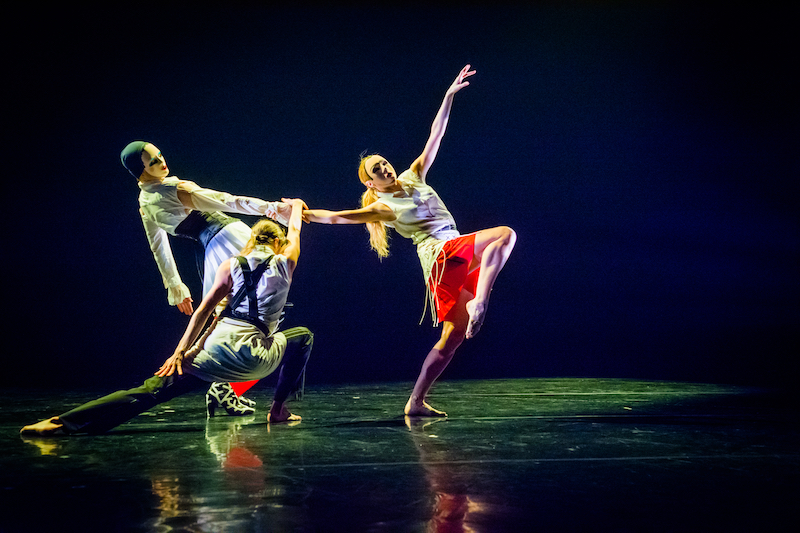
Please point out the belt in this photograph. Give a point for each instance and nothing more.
(202, 227)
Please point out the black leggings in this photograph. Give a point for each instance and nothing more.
(103, 414)
(299, 342)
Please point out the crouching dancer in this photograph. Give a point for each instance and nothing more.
(242, 344)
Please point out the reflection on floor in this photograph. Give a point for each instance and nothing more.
(514, 455)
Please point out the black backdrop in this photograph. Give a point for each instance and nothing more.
(645, 155)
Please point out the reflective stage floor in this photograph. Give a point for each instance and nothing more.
(514, 455)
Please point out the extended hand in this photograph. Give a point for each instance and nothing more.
(171, 365)
(459, 82)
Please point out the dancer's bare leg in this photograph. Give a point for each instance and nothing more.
(438, 358)
(492, 249)
(280, 413)
(46, 428)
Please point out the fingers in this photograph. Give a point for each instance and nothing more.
(167, 370)
(459, 82)
(170, 366)
(465, 73)
(461, 78)
(185, 306)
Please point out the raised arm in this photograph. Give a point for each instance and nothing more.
(375, 212)
(292, 250)
(223, 283)
(421, 165)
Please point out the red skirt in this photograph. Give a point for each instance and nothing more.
(455, 258)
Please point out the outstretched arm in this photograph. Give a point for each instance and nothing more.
(208, 200)
(223, 283)
(421, 165)
(375, 212)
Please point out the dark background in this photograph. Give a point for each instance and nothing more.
(646, 155)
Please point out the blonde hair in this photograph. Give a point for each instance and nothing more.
(378, 236)
(266, 232)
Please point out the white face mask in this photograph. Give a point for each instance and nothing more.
(154, 163)
(380, 172)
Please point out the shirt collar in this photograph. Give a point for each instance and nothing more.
(149, 186)
(399, 194)
(264, 249)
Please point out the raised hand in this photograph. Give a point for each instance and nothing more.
(421, 165)
(459, 82)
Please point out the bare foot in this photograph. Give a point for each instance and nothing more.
(422, 409)
(477, 311)
(46, 428)
(276, 416)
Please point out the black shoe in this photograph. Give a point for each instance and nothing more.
(222, 395)
(247, 402)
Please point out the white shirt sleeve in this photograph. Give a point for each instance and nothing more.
(208, 200)
(158, 239)
(282, 265)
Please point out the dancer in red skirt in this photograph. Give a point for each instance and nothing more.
(459, 270)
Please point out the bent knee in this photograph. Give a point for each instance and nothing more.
(502, 235)
(300, 334)
(452, 337)
(508, 235)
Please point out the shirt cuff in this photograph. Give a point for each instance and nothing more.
(279, 212)
(177, 294)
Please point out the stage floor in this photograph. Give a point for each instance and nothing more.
(514, 455)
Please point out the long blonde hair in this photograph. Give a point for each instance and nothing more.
(378, 237)
(265, 232)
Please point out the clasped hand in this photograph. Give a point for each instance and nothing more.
(287, 204)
